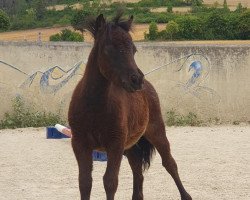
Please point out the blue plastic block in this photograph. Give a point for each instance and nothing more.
(99, 156)
(53, 133)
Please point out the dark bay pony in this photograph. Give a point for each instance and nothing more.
(113, 109)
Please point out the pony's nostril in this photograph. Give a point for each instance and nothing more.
(134, 79)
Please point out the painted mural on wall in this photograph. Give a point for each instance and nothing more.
(49, 90)
(55, 85)
(187, 84)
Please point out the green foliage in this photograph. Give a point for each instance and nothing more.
(174, 119)
(203, 23)
(240, 8)
(216, 25)
(169, 8)
(225, 6)
(172, 29)
(22, 117)
(78, 19)
(153, 31)
(51, 18)
(196, 2)
(4, 21)
(40, 8)
(244, 25)
(67, 35)
(190, 27)
(158, 3)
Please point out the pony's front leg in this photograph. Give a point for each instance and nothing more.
(85, 162)
(110, 178)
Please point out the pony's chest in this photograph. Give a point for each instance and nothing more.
(137, 125)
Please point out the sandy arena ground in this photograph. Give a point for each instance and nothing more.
(213, 164)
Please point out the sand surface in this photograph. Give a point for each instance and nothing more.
(214, 164)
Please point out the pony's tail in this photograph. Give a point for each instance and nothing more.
(145, 151)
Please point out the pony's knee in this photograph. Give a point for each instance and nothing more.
(169, 163)
(110, 183)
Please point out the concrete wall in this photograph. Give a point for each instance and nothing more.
(209, 80)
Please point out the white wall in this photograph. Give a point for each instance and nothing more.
(221, 88)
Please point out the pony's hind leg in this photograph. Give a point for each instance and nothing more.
(157, 136)
(135, 162)
(85, 162)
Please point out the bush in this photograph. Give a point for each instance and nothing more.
(216, 26)
(67, 35)
(240, 8)
(244, 25)
(153, 31)
(40, 8)
(4, 21)
(174, 119)
(169, 8)
(22, 117)
(190, 28)
(172, 29)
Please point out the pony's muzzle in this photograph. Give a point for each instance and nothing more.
(136, 81)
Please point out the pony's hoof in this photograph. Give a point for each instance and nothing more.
(186, 197)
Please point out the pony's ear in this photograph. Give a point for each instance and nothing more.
(126, 25)
(99, 23)
(130, 21)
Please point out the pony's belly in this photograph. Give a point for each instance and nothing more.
(134, 137)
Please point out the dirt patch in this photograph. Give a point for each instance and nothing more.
(213, 164)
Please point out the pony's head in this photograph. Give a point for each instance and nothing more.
(116, 52)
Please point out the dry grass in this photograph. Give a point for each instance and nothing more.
(63, 6)
(32, 35)
(229, 2)
(175, 9)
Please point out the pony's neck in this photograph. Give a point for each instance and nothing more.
(95, 84)
(92, 73)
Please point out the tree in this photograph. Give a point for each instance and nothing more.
(244, 25)
(216, 26)
(240, 8)
(153, 31)
(190, 27)
(196, 2)
(169, 8)
(4, 21)
(13, 7)
(225, 6)
(171, 29)
(40, 8)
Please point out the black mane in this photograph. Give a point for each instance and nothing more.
(118, 20)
